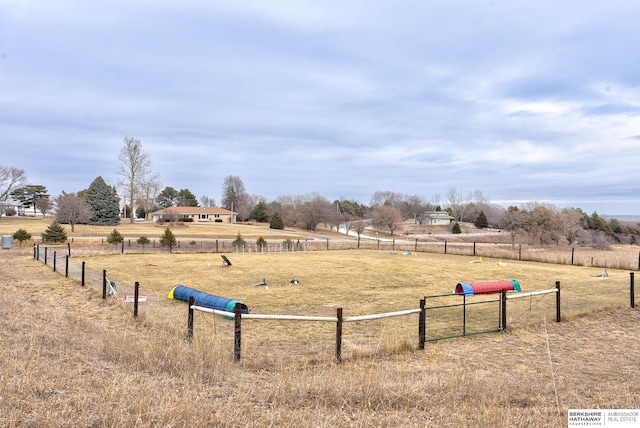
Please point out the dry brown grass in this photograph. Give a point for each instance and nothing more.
(72, 359)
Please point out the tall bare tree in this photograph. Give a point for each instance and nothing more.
(233, 193)
(135, 166)
(10, 178)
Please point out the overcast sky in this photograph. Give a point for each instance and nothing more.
(524, 101)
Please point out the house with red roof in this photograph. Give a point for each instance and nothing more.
(196, 214)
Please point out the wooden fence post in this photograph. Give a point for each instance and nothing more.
(339, 336)
(573, 251)
(421, 324)
(558, 301)
(503, 305)
(190, 320)
(415, 248)
(104, 283)
(632, 291)
(474, 248)
(445, 246)
(237, 343)
(136, 293)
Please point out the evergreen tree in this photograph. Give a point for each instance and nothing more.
(115, 237)
(260, 212)
(456, 228)
(481, 222)
(276, 222)
(104, 202)
(187, 199)
(54, 233)
(168, 238)
(29, 195)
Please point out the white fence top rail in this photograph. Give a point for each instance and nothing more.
(306, 317)
(383, 315)
(288, 317)
(532, 293)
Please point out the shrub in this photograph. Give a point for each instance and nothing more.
(287, 244)
(186, 220)
(239, 241)
(456, 228)
(261, 242)
(115, 237)
(21, 235)
(218, 220)
(10, 212)
(143, 240)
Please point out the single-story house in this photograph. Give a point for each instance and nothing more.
(214, 214)
(436, 218)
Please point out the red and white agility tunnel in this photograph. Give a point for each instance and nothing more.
(490, 287)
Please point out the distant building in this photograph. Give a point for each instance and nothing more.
(437, 218)
(213, 214)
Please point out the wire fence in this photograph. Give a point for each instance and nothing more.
(567, 255)
(365, 335)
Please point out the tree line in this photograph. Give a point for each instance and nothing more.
(141, 193)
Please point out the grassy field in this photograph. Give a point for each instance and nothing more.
(71, 358)
(361, 283)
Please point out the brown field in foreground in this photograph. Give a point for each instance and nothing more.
(73, 359)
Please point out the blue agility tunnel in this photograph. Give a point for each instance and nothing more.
(180, 292)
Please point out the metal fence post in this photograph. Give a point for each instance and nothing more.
(237, 343)
(421, 324)
(632, 291)
(558, 301)
(83, 263)
(503, 311)
(190, 320)
(339, 336)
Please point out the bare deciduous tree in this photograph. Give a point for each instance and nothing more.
(149, 190)
(314, 210)
(72, 210)
(233, 192)
(134, 169)
(386, 217)
(10, 179)
(206, 201)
